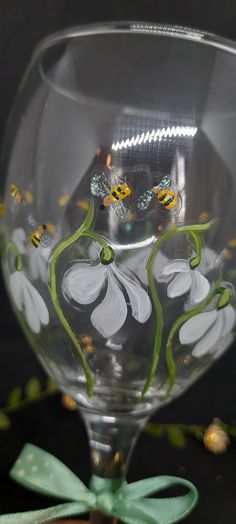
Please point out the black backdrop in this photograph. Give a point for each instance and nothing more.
(22, 24)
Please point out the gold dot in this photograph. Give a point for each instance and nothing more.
(232, 242)
(34, 469)
(46, 464)
(186, 359)
(216, 439)
(203, 217)
(68, 403)
(227, 253)
(30, 457)
(21, 472)
(62, 201)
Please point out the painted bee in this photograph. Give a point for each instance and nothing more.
(16, 193)
(19, 195)
(112, 189)
(166, 194)
(2, 209)
(39, 235)
(116, 194)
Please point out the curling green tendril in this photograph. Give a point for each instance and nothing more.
(83, 231)
(18, 261)
(194, 231)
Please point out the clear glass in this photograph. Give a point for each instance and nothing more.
(118, 218)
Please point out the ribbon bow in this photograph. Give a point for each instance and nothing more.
(42, 472)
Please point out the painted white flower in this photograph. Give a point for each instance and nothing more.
(28, 299)
(38, 258)
(83, 284)
(185, 279)
(206, 329)
(137, 264)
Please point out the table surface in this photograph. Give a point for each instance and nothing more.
(47, 424)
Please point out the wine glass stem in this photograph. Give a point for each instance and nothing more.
(111, 440)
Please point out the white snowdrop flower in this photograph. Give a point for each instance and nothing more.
(137, 264)
(186, 279)
(28, 299)
(83, 284)
(206, 329)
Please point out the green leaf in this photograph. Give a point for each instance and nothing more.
(176, 437)
(5, 422)
(51, 385)
(32, 389)
(154, 430)
(14, 397)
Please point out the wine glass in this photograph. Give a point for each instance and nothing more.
(118, 217)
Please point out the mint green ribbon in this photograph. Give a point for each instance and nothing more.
(40, 471)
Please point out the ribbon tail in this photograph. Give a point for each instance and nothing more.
(157, 511)
(69, 509)
(144, 487)
(133, 513)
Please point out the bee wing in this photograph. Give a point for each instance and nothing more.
(47, 241)
(32, 222)
(98, 185)
(120, 212)
(144, 201)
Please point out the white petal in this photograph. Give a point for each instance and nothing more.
(209, 260)
(179, 285)
(42, 267)
(176, 266)
(200, 287)
(160, 263)
(194, 328)
(33, 263)
(16, 287)
(83, 282)
(19, 238)
(229, 318)
(210, 338)
(137, 263)
(38, 306)
(94, 251)
(139, 300)
(111, 313)
(30, 313)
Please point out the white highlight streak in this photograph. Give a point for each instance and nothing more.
(154, 135)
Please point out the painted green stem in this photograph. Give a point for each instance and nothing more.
(64, 244)
(18, 261)
(83, 231)
(192, 230)
(177, 325)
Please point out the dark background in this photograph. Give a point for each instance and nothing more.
(22, 24)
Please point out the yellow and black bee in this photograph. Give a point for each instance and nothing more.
(36, 236)
(165, 192)
(16, 193)
(108, 185)
(167, 198)
(116, 194)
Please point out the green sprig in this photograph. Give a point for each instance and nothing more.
(193, 230)
(83, 231)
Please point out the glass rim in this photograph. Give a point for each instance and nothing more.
(137, 27)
